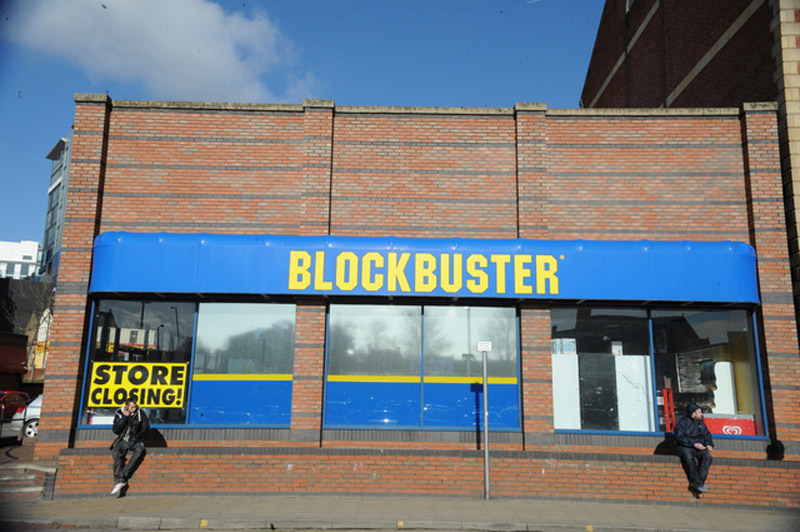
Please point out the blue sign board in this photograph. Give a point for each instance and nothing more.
(388, 266)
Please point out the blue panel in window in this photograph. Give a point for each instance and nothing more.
(461, 405)
(241, 402)
(379, 404)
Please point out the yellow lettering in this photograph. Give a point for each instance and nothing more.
(546, 268)
(396, 272)
(521, 273)
(319, 272)
(346, 271)
(299, 276)
(424, 278)
(458, 272)
(370, 259)
(478, 286)
(500, 262)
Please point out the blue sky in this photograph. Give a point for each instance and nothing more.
(450, 53)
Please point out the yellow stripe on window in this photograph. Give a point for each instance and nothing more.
(373, 378)
(242, 377)
(470, 380)
(415, 379)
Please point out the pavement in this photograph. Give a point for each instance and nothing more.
(377, 513)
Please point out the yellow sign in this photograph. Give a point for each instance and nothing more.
(422, 273)
(152, 384)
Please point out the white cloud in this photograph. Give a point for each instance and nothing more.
(176, 49)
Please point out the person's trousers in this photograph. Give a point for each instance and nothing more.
(123, 470)
(696, 463)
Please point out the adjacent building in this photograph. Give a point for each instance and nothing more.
(56, 206)
(715, 53)
(608, 265)
(18, 260)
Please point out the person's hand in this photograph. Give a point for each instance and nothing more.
(699, 446)
(125, 411)
(709, 448)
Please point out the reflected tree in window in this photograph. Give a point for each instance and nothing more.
(373, 340)
(245, 338)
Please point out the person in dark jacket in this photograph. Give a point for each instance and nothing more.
(130, 426)
(694, 445)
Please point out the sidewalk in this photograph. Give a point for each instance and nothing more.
(321, 512)
(282, 512)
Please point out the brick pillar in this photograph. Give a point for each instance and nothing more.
(786, 52)
(317, 163)
(537, 375)
(531, 122)
(83, 205)
(309, 367)
(768, 237)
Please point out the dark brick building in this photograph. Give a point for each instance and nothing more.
(296, 293)
(715, 53)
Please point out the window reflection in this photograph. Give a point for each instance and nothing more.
(375, 374)
(143, 331)
(452, 335)
(245, 338)
(374, 340)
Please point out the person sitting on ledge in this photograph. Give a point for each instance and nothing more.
(130, 426)
(694, 445)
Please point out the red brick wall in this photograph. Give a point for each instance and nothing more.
(424, 175)
(626, 178)
(512, 474)
(536, 373)
(83, 213)
(768, 236)
(493, 173)
(309, 368)
(185, 170)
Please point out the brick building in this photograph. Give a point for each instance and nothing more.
(620, 263)
(715, 53)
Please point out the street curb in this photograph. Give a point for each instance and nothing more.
(184, 523)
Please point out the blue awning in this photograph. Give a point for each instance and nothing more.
(642, 270)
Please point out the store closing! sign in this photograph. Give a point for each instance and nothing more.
(152, 384)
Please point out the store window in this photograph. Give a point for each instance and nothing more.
(413, 366)
(452, 392)
(140, 348)
(708, 357)
(243, 364)
(601, 369)
(373, 367)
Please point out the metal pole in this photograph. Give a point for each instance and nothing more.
(485, 428)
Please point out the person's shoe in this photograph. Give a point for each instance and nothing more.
(702, 488)
(117, 488)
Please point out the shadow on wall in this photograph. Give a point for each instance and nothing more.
(667, 446)
(154, 438)
(775, 450)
